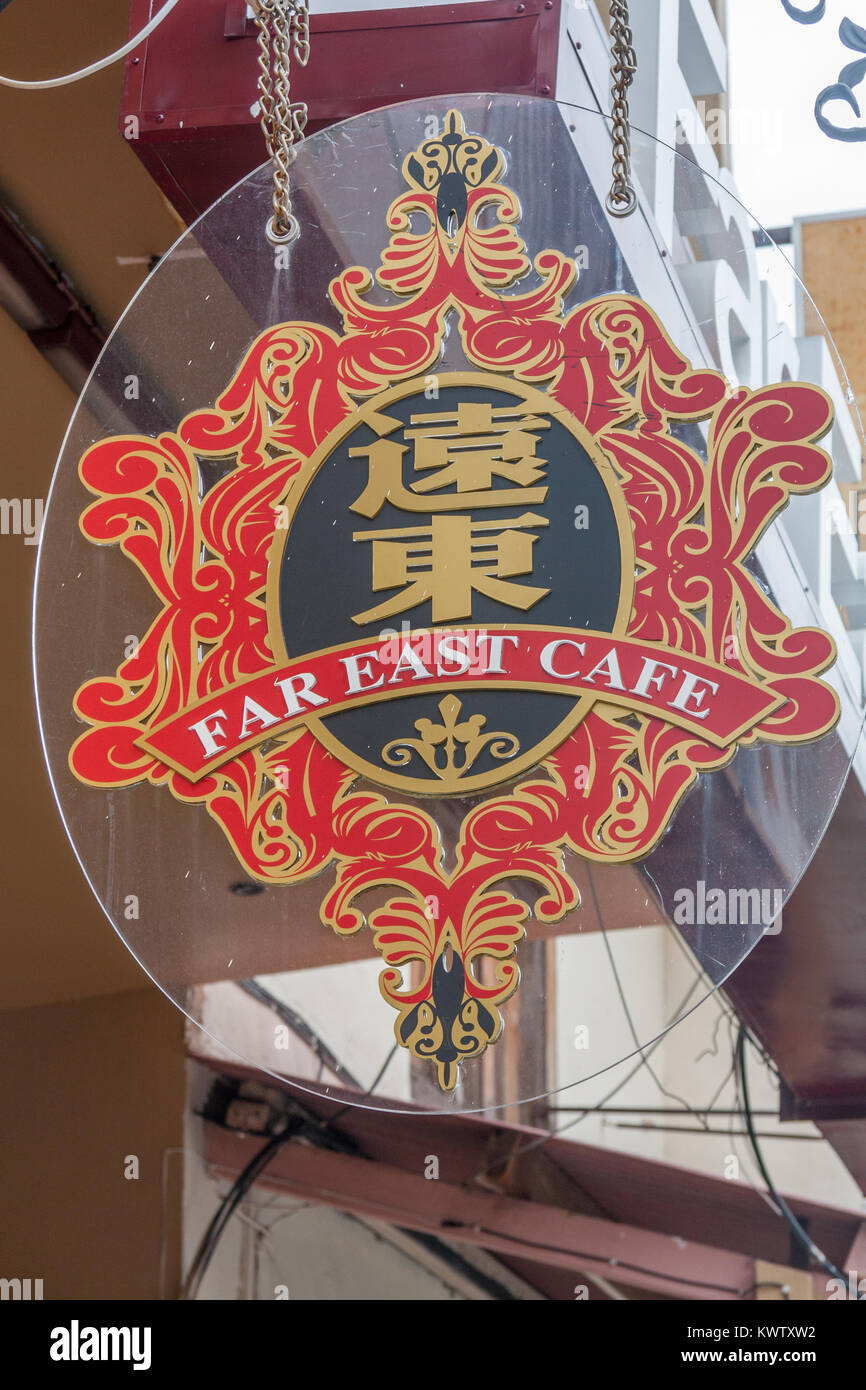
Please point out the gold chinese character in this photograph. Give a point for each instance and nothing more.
(448, 561)
(463, 450)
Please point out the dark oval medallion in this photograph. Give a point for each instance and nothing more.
(468, 502)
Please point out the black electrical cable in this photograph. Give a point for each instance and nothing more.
(220, 1219)
(594, 1109)
(263, 1156)
(332, 1119)
(299, 1026)
(242, 1184)
(642, 1051)
(800, 1234)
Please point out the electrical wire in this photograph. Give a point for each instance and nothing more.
(221, 1217)
(332, 1119)
(799, 1232)
(626, 1010)
(299, 1026)
(649, 1125)
(595, 1109)
(260, 1160)
(242, 1184)
(262, 1239)
(644, 1052)
(742, 1162)
(712, 1050)
(46, 82)
(725, 1012)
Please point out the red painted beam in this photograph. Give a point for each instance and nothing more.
(42, 303)
(529, 1165)
(506, 1226)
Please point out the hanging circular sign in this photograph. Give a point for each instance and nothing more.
(440, 580)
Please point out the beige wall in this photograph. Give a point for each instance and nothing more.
(56, 943)
(64, 167)
(83, 1085)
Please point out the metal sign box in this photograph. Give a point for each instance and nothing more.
(189, 92)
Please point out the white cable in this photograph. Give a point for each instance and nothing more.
(100, 64)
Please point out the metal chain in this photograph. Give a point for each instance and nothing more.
(284, 31)
(622, 199)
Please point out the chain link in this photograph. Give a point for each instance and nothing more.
(284, 32)
(622, 199)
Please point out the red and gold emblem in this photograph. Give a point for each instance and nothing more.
(521, 582)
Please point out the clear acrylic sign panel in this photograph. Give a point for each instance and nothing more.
(592, 989)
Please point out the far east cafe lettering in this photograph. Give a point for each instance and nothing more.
(457, 657)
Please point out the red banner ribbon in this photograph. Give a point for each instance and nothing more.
(717, 704)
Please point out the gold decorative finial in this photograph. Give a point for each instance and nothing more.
(449, 749)
(451, 164)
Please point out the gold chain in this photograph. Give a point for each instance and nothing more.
(622, 199)
(284, 32)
